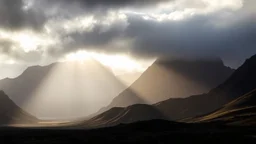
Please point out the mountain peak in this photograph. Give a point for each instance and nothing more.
(163, 61)
(174, 79)
(252, 59)
(89, 82)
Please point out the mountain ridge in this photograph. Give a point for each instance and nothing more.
(156, 83)
(11, 113)
(198, 105)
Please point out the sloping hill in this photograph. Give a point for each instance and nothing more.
(240, 111)
(10, 113)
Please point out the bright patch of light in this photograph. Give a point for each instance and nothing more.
(112, 17)
(182, 9)
(27, 40)
(27, 4)
(119, 63)
(80, 24)
(78, 56)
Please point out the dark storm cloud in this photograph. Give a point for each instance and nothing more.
(72, 8)
(100, 36)
(13, 16)
(214, 34)
(108, 3)
(232, 38)
(200, 36)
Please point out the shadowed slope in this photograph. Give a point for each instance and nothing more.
(178, 78)
(242, 81)
(240, 111)
(10, 113)
(180, 108)
(115, 116)
(21, 88)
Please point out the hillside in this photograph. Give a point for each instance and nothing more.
(241, 111)
(173, 79)
(198, 105)
(10, 113)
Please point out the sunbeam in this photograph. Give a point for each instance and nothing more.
(76, 87)
(73, 90)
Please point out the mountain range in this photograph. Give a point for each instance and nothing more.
(167, 79)
(241, 82)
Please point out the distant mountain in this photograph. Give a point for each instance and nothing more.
(242, 81)
(241, 111)
(10, 113)
(173, 79)
(63, 90)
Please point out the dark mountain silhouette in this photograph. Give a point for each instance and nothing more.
(130, 114)
(197, 105)
(63, 90)
(10, 113)
(173, 79)
(241, 111)
(242, 81)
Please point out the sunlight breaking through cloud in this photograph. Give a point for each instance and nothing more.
(118, 63)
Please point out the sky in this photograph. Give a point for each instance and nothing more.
(130, 32)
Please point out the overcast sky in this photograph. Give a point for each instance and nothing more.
(42, 31)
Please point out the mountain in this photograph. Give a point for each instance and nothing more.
(129, 78)
(173, 79)
(242, 81)
(11, 113)
(64, 90)
(130, 114)
(241, 111)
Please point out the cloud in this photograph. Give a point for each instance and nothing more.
(14, 16)
(178, 28)
(227, 33)
(200, 36)
(13, 54)
(104, 3)
(11, 70)
(5, 45)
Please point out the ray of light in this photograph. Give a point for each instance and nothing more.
(68, 90)
(73, 90)
(118, 63)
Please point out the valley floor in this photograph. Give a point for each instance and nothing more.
(156, 131)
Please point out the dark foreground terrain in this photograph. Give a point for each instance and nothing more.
(156, 131)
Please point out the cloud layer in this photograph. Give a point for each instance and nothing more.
(13, 15)
(142, 28)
